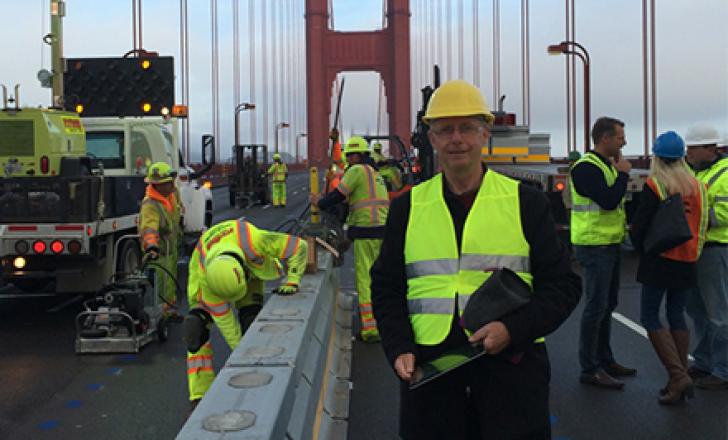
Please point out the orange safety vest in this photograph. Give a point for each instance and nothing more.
(696, 211)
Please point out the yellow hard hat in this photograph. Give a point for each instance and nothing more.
(356, 144)
(225, 275)
(276, 156)
(457, 98)
(160, 172)
(376, 146)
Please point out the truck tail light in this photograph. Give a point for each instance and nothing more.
(74, 247)
(45, 165)
(21, 247)
(39, 247)
(57, 247)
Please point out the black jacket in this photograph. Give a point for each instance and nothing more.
(556, 287)
(588, 181)
(654, 270)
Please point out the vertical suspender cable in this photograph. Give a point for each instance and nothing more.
(134, 25)
(496, 51)
(139, 22)
(461, 39)
(274, 66)
(567, 24)
(448, 30)
(476, 44)
(653, 68)
(527, 39)
(440, 30)
(215, 79)
(183, 74)
(236, 57)
(252, 55)
(573, 77)
(264, 69)
(645, 82)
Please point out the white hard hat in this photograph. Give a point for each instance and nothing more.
(702, 135)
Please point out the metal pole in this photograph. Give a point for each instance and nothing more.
(58, 11)
(653, 64)
(251, 49)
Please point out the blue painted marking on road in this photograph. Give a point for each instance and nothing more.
(553, 420)
(49, 424)
(129, 357)
(73, 404)
(94, 386)
(113, 371)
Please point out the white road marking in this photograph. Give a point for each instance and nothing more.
(266, 207)
(635, 327)
(65, 303)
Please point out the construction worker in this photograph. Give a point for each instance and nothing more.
(364, 191)
(709, 307)
(672, 273)
(598, 186)
(387, 169)
(160, 232)
(227, 272)
(279, 173)
(442, 241)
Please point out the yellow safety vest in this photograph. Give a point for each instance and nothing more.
(716, 179)
(437, 272)
(278, 171)
(590, 224)
(367, 196)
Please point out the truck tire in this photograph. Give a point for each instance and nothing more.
(30, 285)
(129, 258)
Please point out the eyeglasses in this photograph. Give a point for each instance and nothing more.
(465, 130)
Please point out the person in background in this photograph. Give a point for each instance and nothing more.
(598, 186)
(671, 274)
(709, 308)
(161, 233)
(279, 173)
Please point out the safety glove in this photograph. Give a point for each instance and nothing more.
(151, 253)
(287, 289)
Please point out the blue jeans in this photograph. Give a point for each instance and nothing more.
(674, 307)
(709, 311)
(600, 266)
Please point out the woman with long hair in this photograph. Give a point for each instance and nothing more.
(671, 274)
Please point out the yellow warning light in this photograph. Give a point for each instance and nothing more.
(79, 108)
(146, 64)
(207, 184)
(146, 107)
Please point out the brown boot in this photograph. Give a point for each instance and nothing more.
(680, 385)
(682, 343)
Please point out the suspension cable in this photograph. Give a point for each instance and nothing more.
(252, 55)
(264, 69)
(476, 44)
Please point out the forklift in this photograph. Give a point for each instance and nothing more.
(249, 182)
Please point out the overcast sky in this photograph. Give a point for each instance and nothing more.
(692, 59)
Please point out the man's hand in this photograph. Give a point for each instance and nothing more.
(404, 365)
(621, 164)
(288, 289)
(314, 198)
(494, 336)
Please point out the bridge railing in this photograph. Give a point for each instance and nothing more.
(289, 376)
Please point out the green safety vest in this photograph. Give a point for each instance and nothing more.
(437, 272)
(590, 224)
(716, 179)
(367, 196)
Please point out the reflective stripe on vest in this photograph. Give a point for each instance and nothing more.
(291, 246)
(716, 198)
(245, 240)
(590, 224)
(437, 272)
(368, 200)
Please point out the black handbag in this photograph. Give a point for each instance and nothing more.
(669, 226)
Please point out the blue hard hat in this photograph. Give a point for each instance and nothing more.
(669, 145)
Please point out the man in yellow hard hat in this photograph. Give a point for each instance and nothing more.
(279, 173)
(363, 189)
(160, 231)
(442, 241)
(389, 171)
(226, 274)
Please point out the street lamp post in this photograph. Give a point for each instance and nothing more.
(298, 138)
(570, 47)
(240, 107)
(278, 127)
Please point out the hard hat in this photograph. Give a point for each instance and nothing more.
(356, 144)
(702, 135)
(669, 145)
(160, 172)
(376, 146)
(276, 156)
(457, 98)
(225, 275)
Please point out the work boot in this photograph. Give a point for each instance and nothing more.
(679, 386)
(711, 383)
(616, 370)
(697, 373)
(601, 379)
